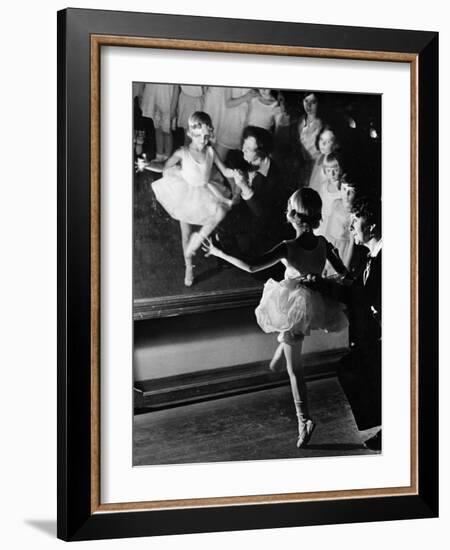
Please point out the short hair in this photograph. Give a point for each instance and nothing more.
(199, 119)
(335, 156)
(369, 208)
(305, 207)
(263, 138)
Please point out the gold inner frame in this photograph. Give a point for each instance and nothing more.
(97, 41)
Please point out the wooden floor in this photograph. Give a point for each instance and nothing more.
(253, 426)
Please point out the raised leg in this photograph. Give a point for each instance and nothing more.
(275, 363)
(196, 239)
(168, 144)
(159, 138)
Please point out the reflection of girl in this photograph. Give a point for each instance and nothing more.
(325, 144)
(337, 230)
(308, 128)
(214, 105)
(335, 196)
(235, 115)
(185, 190)
(290, 308)
(331, 188)
(159, 104)
(189, 101)
(264, 110)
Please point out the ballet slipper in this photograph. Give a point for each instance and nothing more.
(305, 431)
(189, 275)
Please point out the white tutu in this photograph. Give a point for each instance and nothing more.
(290, 306)
(187, 195)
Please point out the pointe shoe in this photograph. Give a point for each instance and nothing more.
(194, 244)
(374, 442)
(189, 275)
(305, 433)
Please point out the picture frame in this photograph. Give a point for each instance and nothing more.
(81, 36)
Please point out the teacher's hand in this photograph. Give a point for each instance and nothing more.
(209, 249)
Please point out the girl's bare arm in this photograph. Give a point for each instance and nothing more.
(270, 258)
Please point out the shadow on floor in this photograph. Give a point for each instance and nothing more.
(46, 526)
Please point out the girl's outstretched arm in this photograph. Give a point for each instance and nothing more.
(226, 172)
(174, 101)
(335, 260)
(235, 101)
(270, 258)
(143, 164)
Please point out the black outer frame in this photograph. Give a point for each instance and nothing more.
(75, 520)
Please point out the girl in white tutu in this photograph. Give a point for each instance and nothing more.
(186, 192)
(289, 307)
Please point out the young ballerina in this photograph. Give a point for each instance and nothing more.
(186, 192)
(190, 100)
(308, 127)
(159, 103)
(282, 133)
(214, 105)
(330, 190)
(234, 119)
(337, 229)
(290, 308)
(326, 143)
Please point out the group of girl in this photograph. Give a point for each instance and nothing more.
(319, 214)
(230, 110)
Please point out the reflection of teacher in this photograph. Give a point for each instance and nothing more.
(258, 217)
(360, 373)
(263, 181)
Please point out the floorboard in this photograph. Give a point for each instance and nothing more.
(253, 426)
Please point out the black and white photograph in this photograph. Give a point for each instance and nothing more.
(257, 245)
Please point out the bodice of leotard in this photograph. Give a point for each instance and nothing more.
(196, 173)
(328, 199)
(301, 261)
(262, 114)
(338, 225)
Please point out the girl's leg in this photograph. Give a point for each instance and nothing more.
(292, 353)
(206, 230)
(168, 144)
(186, 232)
(159, 137)
(274, 365)
(139, 142)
